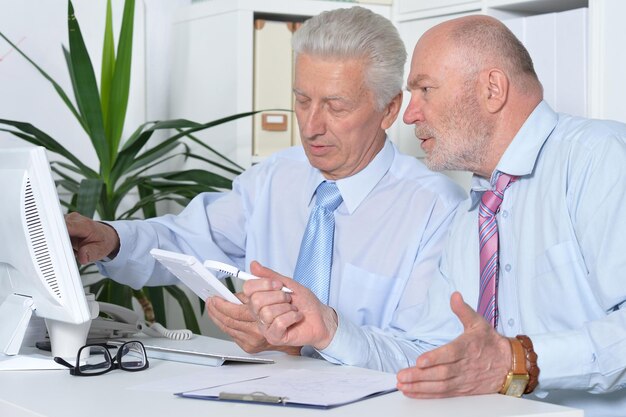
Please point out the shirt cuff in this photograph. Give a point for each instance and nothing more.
(135, 273)
(127, 240)
(345, 347)
(565, 360)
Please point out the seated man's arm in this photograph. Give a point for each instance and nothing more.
(194, 231)
(300, 319)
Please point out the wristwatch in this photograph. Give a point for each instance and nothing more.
(517, 378)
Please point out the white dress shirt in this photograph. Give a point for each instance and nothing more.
(389, 232)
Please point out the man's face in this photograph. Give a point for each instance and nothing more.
(340, 127)
(445, 108)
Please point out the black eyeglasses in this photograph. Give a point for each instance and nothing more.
(95, 359)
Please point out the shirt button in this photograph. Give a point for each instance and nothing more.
(507, 267)
(505, 214)
(511, 322)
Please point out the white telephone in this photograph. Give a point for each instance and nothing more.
(122, 322)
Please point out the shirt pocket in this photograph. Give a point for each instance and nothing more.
(562, 292)
(364, 296)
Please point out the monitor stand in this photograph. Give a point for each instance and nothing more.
(67, 338)
(16, 311)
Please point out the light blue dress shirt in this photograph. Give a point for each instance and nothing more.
(389, 233)
(562, 278)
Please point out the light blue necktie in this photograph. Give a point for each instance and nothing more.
(316, 250)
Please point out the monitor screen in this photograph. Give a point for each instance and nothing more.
(38, 272)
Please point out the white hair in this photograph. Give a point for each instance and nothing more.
(358, 33)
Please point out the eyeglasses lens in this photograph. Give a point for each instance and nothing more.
(132, 356)
(94, 359)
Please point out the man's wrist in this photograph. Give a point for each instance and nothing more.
(116, 241)
(329, 321)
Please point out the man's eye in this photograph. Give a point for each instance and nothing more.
(338, 110)
(425, 89)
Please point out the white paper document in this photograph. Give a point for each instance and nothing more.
(320, 388)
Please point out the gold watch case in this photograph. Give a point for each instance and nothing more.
(515, 384)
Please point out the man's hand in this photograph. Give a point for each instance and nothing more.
(91, 240)
(295, 319)
(238, 322)
(476, 362)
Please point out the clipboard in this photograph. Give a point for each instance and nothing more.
(305, 388)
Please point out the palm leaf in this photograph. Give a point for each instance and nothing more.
(149, 209)
(128, 154)
(56, 86)
(119, 294)
(155, 294)
(152, 155)
(108, 66)
(88, 196)
(71, 168)
(195, 176)
(35, 136)
(211, 149)
(86, 91)
(190, 317)
(176, 137)
(156, 125)
(234, 171)
(120, 83)
(66, 181)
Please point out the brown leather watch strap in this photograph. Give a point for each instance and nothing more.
(531, 362)
(519, 357)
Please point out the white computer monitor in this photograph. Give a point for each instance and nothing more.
(38, 272)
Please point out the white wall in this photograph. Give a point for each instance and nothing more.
(40, 28)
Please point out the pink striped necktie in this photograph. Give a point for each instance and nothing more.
(488, 240)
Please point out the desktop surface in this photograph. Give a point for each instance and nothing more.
(55, 393)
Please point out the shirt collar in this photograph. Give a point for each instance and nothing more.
(521, 155)
(355, 188)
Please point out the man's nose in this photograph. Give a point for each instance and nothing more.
(413, 112)
(314, 123)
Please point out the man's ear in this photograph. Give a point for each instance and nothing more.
(497, 90)
(391, 111)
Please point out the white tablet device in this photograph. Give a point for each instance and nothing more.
(194, 275)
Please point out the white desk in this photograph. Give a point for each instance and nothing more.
(58, 394)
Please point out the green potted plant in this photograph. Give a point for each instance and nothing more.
(137, 163)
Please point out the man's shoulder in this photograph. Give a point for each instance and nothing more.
(588, 132)
(413, 176)
(292, 158)
(580, 142)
